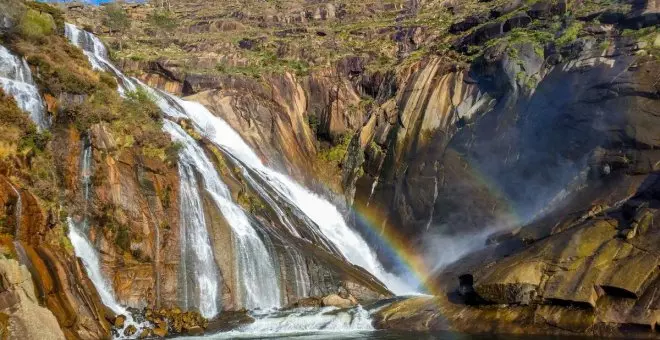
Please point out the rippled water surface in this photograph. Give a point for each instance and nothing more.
(384, 335)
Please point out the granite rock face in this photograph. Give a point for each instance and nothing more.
(20, 306)
(446, 119)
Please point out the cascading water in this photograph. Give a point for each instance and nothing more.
(201, 288)
(304, 320)
(86, 251)
(300, 272)
(258, 278)
(323, 213)
(254, 262)
(16, 80)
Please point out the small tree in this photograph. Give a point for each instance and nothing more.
(117, 20)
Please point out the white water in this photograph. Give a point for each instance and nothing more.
(97, 54)
(16, 80)
(200, 281)
(88, 254)
(323, 213)
(258, 277)
(327, 320)
(303, 284)
(251, 253)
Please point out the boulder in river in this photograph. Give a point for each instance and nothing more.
(334, 300)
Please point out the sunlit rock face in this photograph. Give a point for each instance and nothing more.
(555, 152)
(250, 251)
(20, 305)
(504, 152)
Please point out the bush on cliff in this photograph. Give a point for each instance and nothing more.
(61, 67)
(35, 25)
(21, 135)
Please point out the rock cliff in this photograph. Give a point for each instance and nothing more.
(532, 122)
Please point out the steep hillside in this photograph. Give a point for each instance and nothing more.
(436, 112)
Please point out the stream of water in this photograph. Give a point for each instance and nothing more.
(16, 80)
(257, 273)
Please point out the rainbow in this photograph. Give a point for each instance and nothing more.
(376, 222)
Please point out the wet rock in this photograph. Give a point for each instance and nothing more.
(513, 285)
(312, 302)
(229, 320)
(119, 321)
(160, 332)
(146, 333)
(573, 287)
(575, 320)
(630, 275)
(195, 330)
(335, 300)
(130, 330)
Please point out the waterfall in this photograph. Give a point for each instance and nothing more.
(16, 80)
(258, 283)
(84, 249)
(300, 272)
(97, 54)
(258, 278)
(87, 253)
(323, 213)
(255, 267)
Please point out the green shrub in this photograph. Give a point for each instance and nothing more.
(54, 12)
(107, 79)
(314, 123)
(35, 25)
(570, 34)
(116, 18)
(336, 153)
(123, 238)
(162, 19)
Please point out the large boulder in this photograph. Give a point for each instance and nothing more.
(644, 14)
(334, 300)
(517, 21)
(506, 8)
(468, 23)
(26, 319)
(517, 284)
